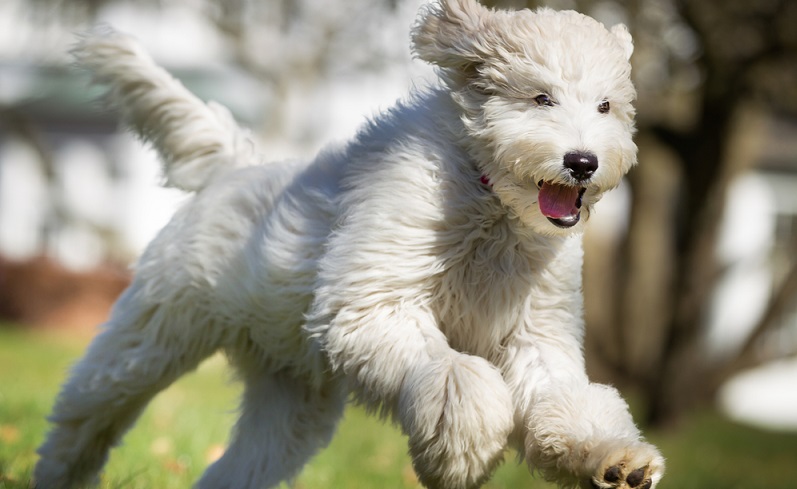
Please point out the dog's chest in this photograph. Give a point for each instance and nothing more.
(485, 293)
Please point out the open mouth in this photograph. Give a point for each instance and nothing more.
(561, 204)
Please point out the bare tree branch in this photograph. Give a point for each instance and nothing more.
(748, 355)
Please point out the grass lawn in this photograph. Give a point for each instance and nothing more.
(186, 427)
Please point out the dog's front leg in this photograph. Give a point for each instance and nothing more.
(582, 434)
(455, 408)
(576, 433)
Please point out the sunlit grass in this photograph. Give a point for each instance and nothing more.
(186, 427)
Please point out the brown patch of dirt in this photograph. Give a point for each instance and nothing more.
(41, 293)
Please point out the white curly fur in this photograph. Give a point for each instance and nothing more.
(414, 267)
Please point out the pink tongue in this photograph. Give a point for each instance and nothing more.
(557, 201)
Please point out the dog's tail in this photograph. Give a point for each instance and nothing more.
(195, 140)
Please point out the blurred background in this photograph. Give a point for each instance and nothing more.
(690, 282)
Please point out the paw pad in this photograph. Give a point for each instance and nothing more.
(612, 474)
(635, 477)
(616, 477)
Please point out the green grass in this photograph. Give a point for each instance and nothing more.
(187, 425)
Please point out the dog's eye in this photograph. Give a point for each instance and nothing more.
(543, 100)
(604, 107)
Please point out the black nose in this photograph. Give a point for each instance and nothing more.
(581, 165)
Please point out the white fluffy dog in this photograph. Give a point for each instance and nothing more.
(431, 266)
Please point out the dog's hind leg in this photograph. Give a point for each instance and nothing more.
(142, 350)
(284, 421)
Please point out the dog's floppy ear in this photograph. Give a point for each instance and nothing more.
(451, 33)
(620, 31)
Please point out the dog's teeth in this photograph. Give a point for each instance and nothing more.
(580, 196)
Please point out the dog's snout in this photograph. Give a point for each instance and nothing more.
(581, 165)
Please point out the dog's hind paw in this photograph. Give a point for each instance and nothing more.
(639, 466)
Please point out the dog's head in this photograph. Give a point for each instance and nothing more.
(546, 98)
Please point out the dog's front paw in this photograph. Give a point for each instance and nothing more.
(636, 465)
(458, 415)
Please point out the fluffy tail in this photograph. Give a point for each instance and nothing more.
(195, 140)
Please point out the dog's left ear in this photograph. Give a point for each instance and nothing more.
(453, 34)
(620, 31)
